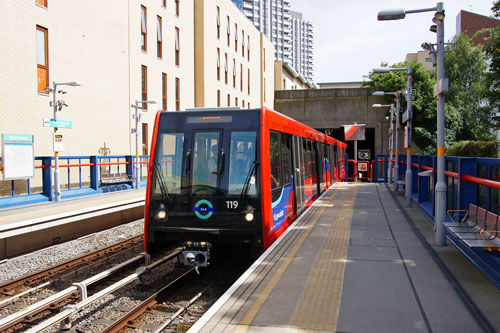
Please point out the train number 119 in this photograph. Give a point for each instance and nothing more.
(232, 204)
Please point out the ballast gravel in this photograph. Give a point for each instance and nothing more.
(32, 262)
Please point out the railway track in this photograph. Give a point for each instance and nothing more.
(41, 278)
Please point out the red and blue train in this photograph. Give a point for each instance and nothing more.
(234, 176)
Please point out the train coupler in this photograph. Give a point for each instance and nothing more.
(197, 254)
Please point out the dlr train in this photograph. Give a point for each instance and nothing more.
(233, 176)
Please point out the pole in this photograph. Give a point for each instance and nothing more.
(408, 174)
(440, 190)
(391, 134)
(355, 158)
(396, 167)
(57, 186)
(137, 176)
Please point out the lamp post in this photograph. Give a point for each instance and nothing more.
(408, 174)
(440, 90)
(391, 133)
(137, 133)
(55, 104)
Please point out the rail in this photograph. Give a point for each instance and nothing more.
(79, 175)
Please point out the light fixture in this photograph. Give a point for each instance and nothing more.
(433, 28)
(391, 14)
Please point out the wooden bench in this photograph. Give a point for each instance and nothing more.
(478, 228)
(114, 178)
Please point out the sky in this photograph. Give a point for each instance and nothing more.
(349, 41)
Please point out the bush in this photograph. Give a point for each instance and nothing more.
(474, 149)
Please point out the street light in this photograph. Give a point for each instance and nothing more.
(408, 174)
(391, 131)
(396, 136)
(440, 89)
(137, 118)
(58, 105)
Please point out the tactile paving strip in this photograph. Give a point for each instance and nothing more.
(319, 306)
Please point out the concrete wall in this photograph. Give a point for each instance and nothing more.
(332, 108)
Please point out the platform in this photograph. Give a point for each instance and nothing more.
(357, 261)
(64, 220)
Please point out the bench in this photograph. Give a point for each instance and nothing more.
(478, 228)
(114, 178)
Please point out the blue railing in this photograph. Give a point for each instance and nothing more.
(469, 180)
(79, 175)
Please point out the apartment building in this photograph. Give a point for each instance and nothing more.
(271, 17)
(234, 61)
(302, 45)
(122, 52)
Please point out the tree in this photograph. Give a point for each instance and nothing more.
(492, 50)
(424, 105)
(466, 108)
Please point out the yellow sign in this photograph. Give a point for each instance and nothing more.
(183, 327)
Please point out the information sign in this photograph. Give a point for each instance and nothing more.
(354, 132)
(362, 166)
(57, 123)
(17, 156)
(58, 142)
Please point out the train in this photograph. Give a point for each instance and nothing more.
(230, 175)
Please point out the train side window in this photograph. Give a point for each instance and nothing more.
(275, 160)
(242, 156)
(286, 156)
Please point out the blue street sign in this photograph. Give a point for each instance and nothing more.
(57, 123)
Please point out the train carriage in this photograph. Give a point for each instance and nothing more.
(233, 176)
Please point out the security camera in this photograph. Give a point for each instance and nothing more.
(426, 46)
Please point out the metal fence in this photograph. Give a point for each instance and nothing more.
(79, 175)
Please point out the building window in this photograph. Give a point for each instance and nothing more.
(234, 73)
(249, 105)
(236, 37)
(225, 68)
(177, 9)
(264, 59)
(243, 103)
(284, 84)
(248, 73)
(144, 85)
(248, 47)
(241, 77)
(228, 100)
(144, 32)
(42, 3)
(236, 101)
(218, 22)
(177, 94)
(164, 90)
(177, 47)
(42, 66)
(264, 90)
(228, 31)
(144, 139)
(218, 64)
(218, 97)
(164, 3)
(159, 38)
(243, 43)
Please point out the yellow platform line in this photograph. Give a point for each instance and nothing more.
(319, 306)
(257, 305)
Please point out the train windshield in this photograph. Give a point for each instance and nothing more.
(169, 163)
(242, 157)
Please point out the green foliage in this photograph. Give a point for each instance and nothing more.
(424, 105)
(474, 149)
(465, 67)
(492, 50)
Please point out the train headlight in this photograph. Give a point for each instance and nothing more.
(249, 217)
(161, 213)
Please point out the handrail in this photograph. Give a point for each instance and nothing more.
(480, 181)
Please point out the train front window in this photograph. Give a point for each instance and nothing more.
(206, 162)
(168, 160)
(242, 156)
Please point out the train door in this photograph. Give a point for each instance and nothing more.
(206, 168)
(298, 174)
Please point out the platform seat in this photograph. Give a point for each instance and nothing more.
(478, 228)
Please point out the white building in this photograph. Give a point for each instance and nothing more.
(302, 45)
(123, 51)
